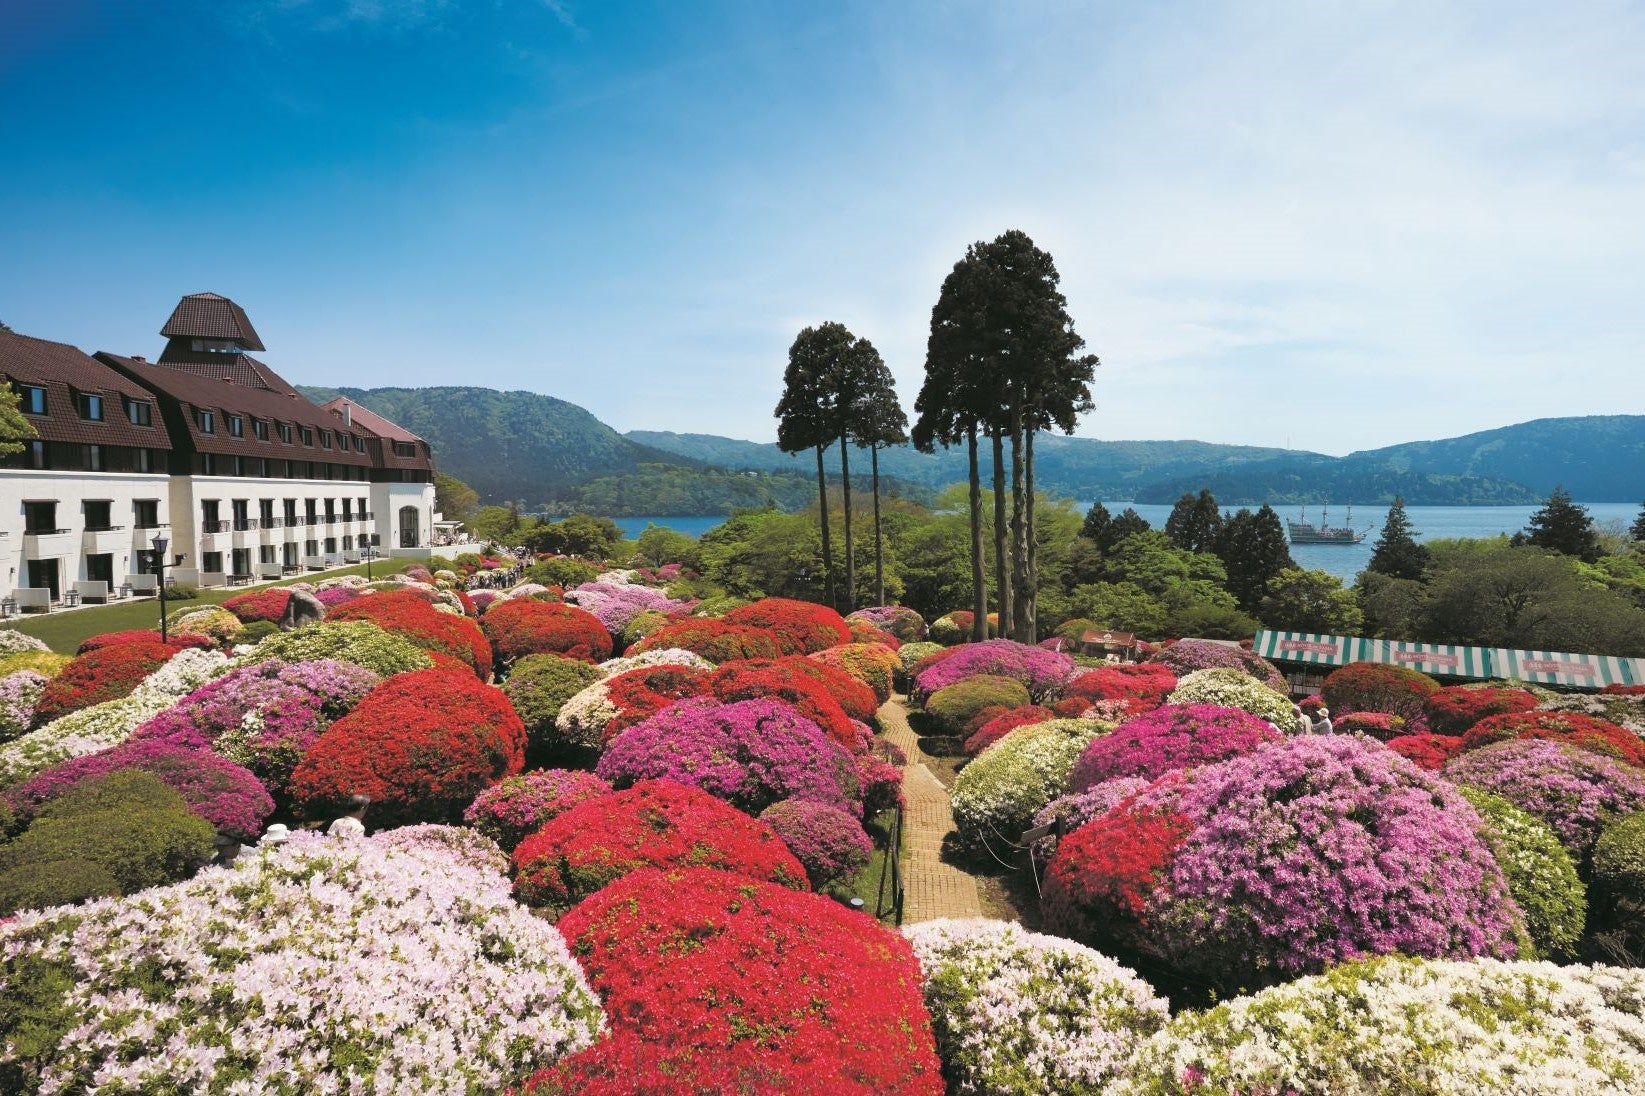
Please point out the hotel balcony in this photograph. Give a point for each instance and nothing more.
(49, 543)
(98, 542)
(214, 536)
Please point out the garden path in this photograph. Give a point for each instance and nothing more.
(931, 887)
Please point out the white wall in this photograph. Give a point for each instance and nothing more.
(188, 493)
(70, 490)
(387, 499)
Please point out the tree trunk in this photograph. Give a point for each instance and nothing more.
(1022, 592)
(879, 533)
(850, 553)
(979, 584)
(1032, 597)
(827, 541)
(1002, 573)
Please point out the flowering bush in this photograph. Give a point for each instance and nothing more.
(698, 968)
(951, 628)
(421, 745)
(215, 788)
(800, 626)
(996, 796)
(1569, 727)
(19, 692)
(654, 824)
(108, 673)
(358, 642)
(539, 685)
(74, 735)
(715, 640)
(1377, 687)
(1454, 708)
(858, 699)
(1232, 689)
(1541, 876)
(1069, 812)
(750, 753)
(1176, 736)
(267, 604)
(212, 623)
(523, 626)
(46, 663)
(830, 843)
(1575, 791)
(325, 966)
(953, 706)
(1306, 852)
(13, 642)
(895, 620)
(1626, 710)
(470, 849)
(616, 605)
(1018, 1012)
(1378, 725)
(140, 635)
(785, 680)
(1144, 681)
(1619, 857)
(1042, 672)
(873, 664)
(880, 779)
(1185, 656)
(998, 726)
(661, 656)
(1428, 751)
(333, 596)
(519, 806)
(637, 695)
(406, 614)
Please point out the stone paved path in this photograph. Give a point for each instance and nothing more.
(931, 888)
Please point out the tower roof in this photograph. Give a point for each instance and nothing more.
(210, 316)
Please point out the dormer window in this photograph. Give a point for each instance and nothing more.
(31, 399)
(90, 406)
(259, 427)
(405, 449)
(285, 432)
(214, 346)
(205, 420)
(139, 412)
(359, 444)
(325, 439)
(236, 426)
(308, 436)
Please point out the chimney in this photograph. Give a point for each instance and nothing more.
(348, 414)
(139, 358)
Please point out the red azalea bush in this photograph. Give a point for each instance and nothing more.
(1624, 690)
(1004, 723)
(713, 639)
(1149, 681)
(1174, 736)
(873, 664)
(1455, 708)
(523, 626)
(107, 673)
(267, 604)
(640, 693)
(858, 700)
(862, 632)
(760, 679)
(1571, 728)
(1428, 751)
(470, 608)
(1108, 868)
(1375, 687)
(801, 627)
(953, 628)
(422, 745)
(114, 639)
(1378, 725)
(404, 613)
(714, 983)
(654, 824)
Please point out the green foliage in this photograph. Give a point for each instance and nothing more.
(564, 573)
(15, 428)
(1392, 607)
(539, 685)
(954, 706)
(256, 632)
(1254, 550)
(1619, 856)
(501, 524)
(997, 795)
(763, 553)
(1562, 526)
(356, 641)
(658, 544)
(1397, 553)
(34, 886)
(1229, 688)
(1195, 522)
(1310, 601)
(577, 535)
(1541, 875)
(454, 499)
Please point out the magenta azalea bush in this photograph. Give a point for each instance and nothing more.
(1307, 852)
(1575, 791)
(511, 811)
(751, 754)
(1043, 672)
(829, 842)
(1187, 655)
(1175, 736)
(616, 604)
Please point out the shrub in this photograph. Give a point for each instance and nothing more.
(561, 571)
(522, 626)
(801, 627)
(662, 656)
(873, 664)
(951, 628)
(1306, 852)
(1378, 725)
(253, 634)
(324, 966)
(996, 796)
(1541, 876)
(715, 640)
(1619, 856)
(511, 811)
(75, 735)
(1232, 689)
(616, 605)
(830, 843)
(212, 623)
(750, 753)
(782, 680)
(654, 824)
(1016, 1012)
(539, 685)
(405, 614)
(421, 745)
(1069, 812)
(859, 701)
(359, 642)
(998, 726)
(1454, 708)
(141, 635)
(1185, 656)
(1375, 1026)
(108, 673)
(268, 604)
(1576, 792)
(1042, 672)
(1428, 751)
(463, 845)
(1376, 687)
(692, 963)
(953, 706)
(56, 883)
(1144, 681)
(637, 695)
(13, 642)
(1626, 710)
(880, 780)
(1176, 736)
(895, 620)
(19, 692)
(47, 663)
(1568, 727)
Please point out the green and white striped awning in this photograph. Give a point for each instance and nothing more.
(1561, 668)
(1435, 659)
(1309, 647)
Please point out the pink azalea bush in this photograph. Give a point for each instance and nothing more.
(829, 842)
(616, 604)
(1175, 736)
(510, 811)
(1187, 655)
(1043, 672)
(1575, 791)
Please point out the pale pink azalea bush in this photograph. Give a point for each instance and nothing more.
(1575, 791)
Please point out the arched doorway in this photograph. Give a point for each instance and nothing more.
(408, 527)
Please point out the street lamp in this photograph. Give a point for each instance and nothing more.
(160, 544)
(369, 553)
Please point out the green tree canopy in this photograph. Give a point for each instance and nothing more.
(1562, 526)
(456, 500)
(577, 535)
(1254, 549)
(1195, 522)
(15, 428)
(1310, 601)
(1397, 553)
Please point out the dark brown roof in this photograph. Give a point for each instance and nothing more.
(209, 316)
(371, 420)
(63, 370)
(388, 434)
(242, 369)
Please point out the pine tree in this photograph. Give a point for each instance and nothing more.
(1563, 526)
(1397, 553)
(1254, 550)
(1128, 523)
(1097, 521)
(877, 422)
(1637, 532)
(1194, 521)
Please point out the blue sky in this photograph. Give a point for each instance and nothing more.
(1332, 226)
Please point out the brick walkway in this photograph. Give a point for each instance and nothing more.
(931, 887)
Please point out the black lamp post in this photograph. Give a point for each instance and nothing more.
(370, 553)
(160, 544)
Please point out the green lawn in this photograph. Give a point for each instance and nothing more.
(63, 632)
(866, 883)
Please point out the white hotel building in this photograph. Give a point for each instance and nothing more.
(246, 477)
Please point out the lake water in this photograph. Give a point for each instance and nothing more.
(1344, 561)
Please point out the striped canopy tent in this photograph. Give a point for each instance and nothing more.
(1435, 659)
(1560, 668)
(1309, 647)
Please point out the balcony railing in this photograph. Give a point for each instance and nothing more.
(104, 528)
(243, 525)
(214, 527)
(42, 532)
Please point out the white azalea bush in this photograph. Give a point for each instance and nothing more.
(13, 642)
(325, 966)
(583, 718)
(996, 796)
(1413, 1027)
(1018, 1012)
(663, 656)
(1228, 688)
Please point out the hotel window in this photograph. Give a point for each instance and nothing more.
(239, 466)
(39, 517)
(405, 449)
(236, 426)
(32, 399)
(285, 432)
(139, 412)
(99, 514)
(208, 464)
(146, 513)
(206, 420)
(145, 460)
(359, 444)
(94, 458)
(259, 427)
(90, 406)
(37, 454)
(308, 436)
(325, 439)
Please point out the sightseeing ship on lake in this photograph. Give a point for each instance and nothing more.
(1305, 532)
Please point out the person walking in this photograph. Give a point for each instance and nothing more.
(352, 823)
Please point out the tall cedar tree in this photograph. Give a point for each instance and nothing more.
(1194, 521)
(1397, 553)
(1637, 532)
(1253, 549)
(878, 421)
(1562, 526)
(1097, 521)
(806, 414)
